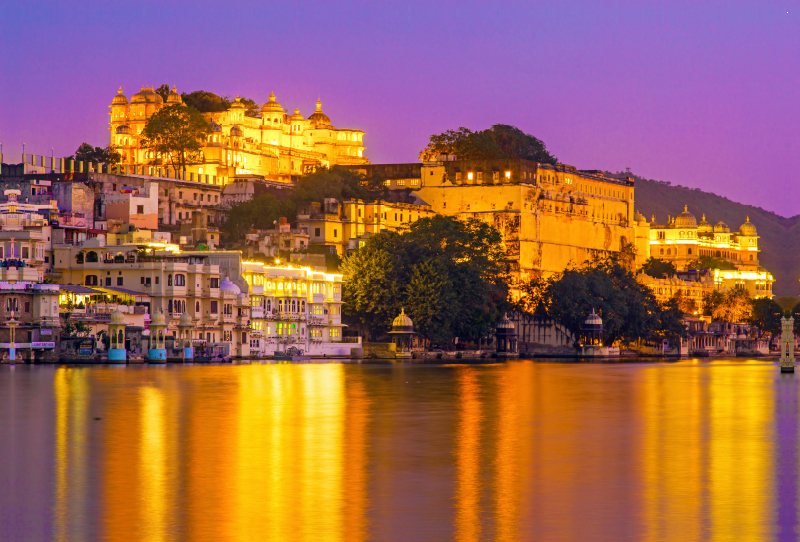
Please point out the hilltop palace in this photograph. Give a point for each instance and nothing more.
(275, 145)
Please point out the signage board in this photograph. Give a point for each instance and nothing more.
(43, 345)
(86, 347)
(45, 332)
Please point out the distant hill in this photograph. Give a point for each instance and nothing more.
(779, 236)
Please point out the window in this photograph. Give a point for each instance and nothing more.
(196, 306)
(214, 283)
(508, 174)
(689, 252)
(25, 253)
(180, 280)
(157, 279)
(458, 176)
(316, 232)
(91, 280)
(119, 281)
(27, 306)
(108, 281)
(180, 195)
(496, 176)
(140, 209)
(401, 182)
(214, 307)
(480, 175)
(335, 232)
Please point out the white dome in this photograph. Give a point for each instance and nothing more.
(226, 286)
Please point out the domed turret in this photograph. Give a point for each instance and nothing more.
(186, 320)
(402, 322)
(123, 129)
(748, 229)
(318, 117)
(721, 227)
(237, 103)
(227, 287)
(704, 227)
(297, 116)
(146, 96)
(639, 217)
(685, 219)
(158, 319)
(120, 98)
(215, 127)
(174, 98)
(117, 317)
(236, 131)
(272, 106)
(593, 321)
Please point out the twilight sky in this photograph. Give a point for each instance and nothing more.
(703, 94)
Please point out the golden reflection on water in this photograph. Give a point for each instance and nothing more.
(325, 453)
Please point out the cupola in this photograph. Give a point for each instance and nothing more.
(120, 98)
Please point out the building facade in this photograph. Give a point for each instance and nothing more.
(296, 306)
(274, 143)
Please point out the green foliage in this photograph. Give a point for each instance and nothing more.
(98, 155)
(259, 212)
(164, 91)
(501, 141)
(787, 303)
(707, 262)
(205, 102)
(175, 134)
(687, 305)
(251, 107)
(796, 315)
(658, 268)
(605, 284)
(451, 276)
(767, 314)
(734, 305)
(337, 182)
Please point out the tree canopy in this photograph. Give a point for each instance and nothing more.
(337, 182)
(606, 285)
(175, 134)
(99, 155)
(259, 212)
(767, 314)
(658, 268)
(734, 305)
(501, 141)
(707, 262)
(450, 276)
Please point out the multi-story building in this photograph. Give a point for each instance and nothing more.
(175, 282)
(296, 306)
(273, 143)
(682, 240)
(31, 310)
(548, 215)
(342, 226)
(282, 238)
(691, 286)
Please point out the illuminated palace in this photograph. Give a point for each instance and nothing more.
(682, 239)
(548, 215)
(274, 144)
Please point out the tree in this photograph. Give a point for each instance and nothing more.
(458, 265)
(687, 305)
(251, 107)
(431, 298)
(164, 91)
(206, 102)
(766, 315)
(259, 212)
(98, 155)
(658, 268)
(787, 303)
(707, 262)
(629, 310)
(174, 135)
(501, 141)
(733, 306)
(337, 182)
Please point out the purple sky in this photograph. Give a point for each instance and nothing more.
(703, 94)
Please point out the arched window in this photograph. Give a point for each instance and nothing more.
(91, 257)
(79, 258)
(661, 252)
(180, 280)
(751, 257)
(169, 280)
(196, 306)
(120, 338)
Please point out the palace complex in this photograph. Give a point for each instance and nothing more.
(274, 144)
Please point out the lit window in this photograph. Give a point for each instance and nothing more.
(401, 182)
(508, 174)
(469, 176)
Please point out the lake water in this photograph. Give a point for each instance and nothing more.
(692, 450)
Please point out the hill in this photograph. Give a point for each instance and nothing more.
(779, 235)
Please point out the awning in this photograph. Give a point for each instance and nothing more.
(77, 289)
(123, 291)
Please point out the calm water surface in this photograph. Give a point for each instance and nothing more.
(518, 451)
